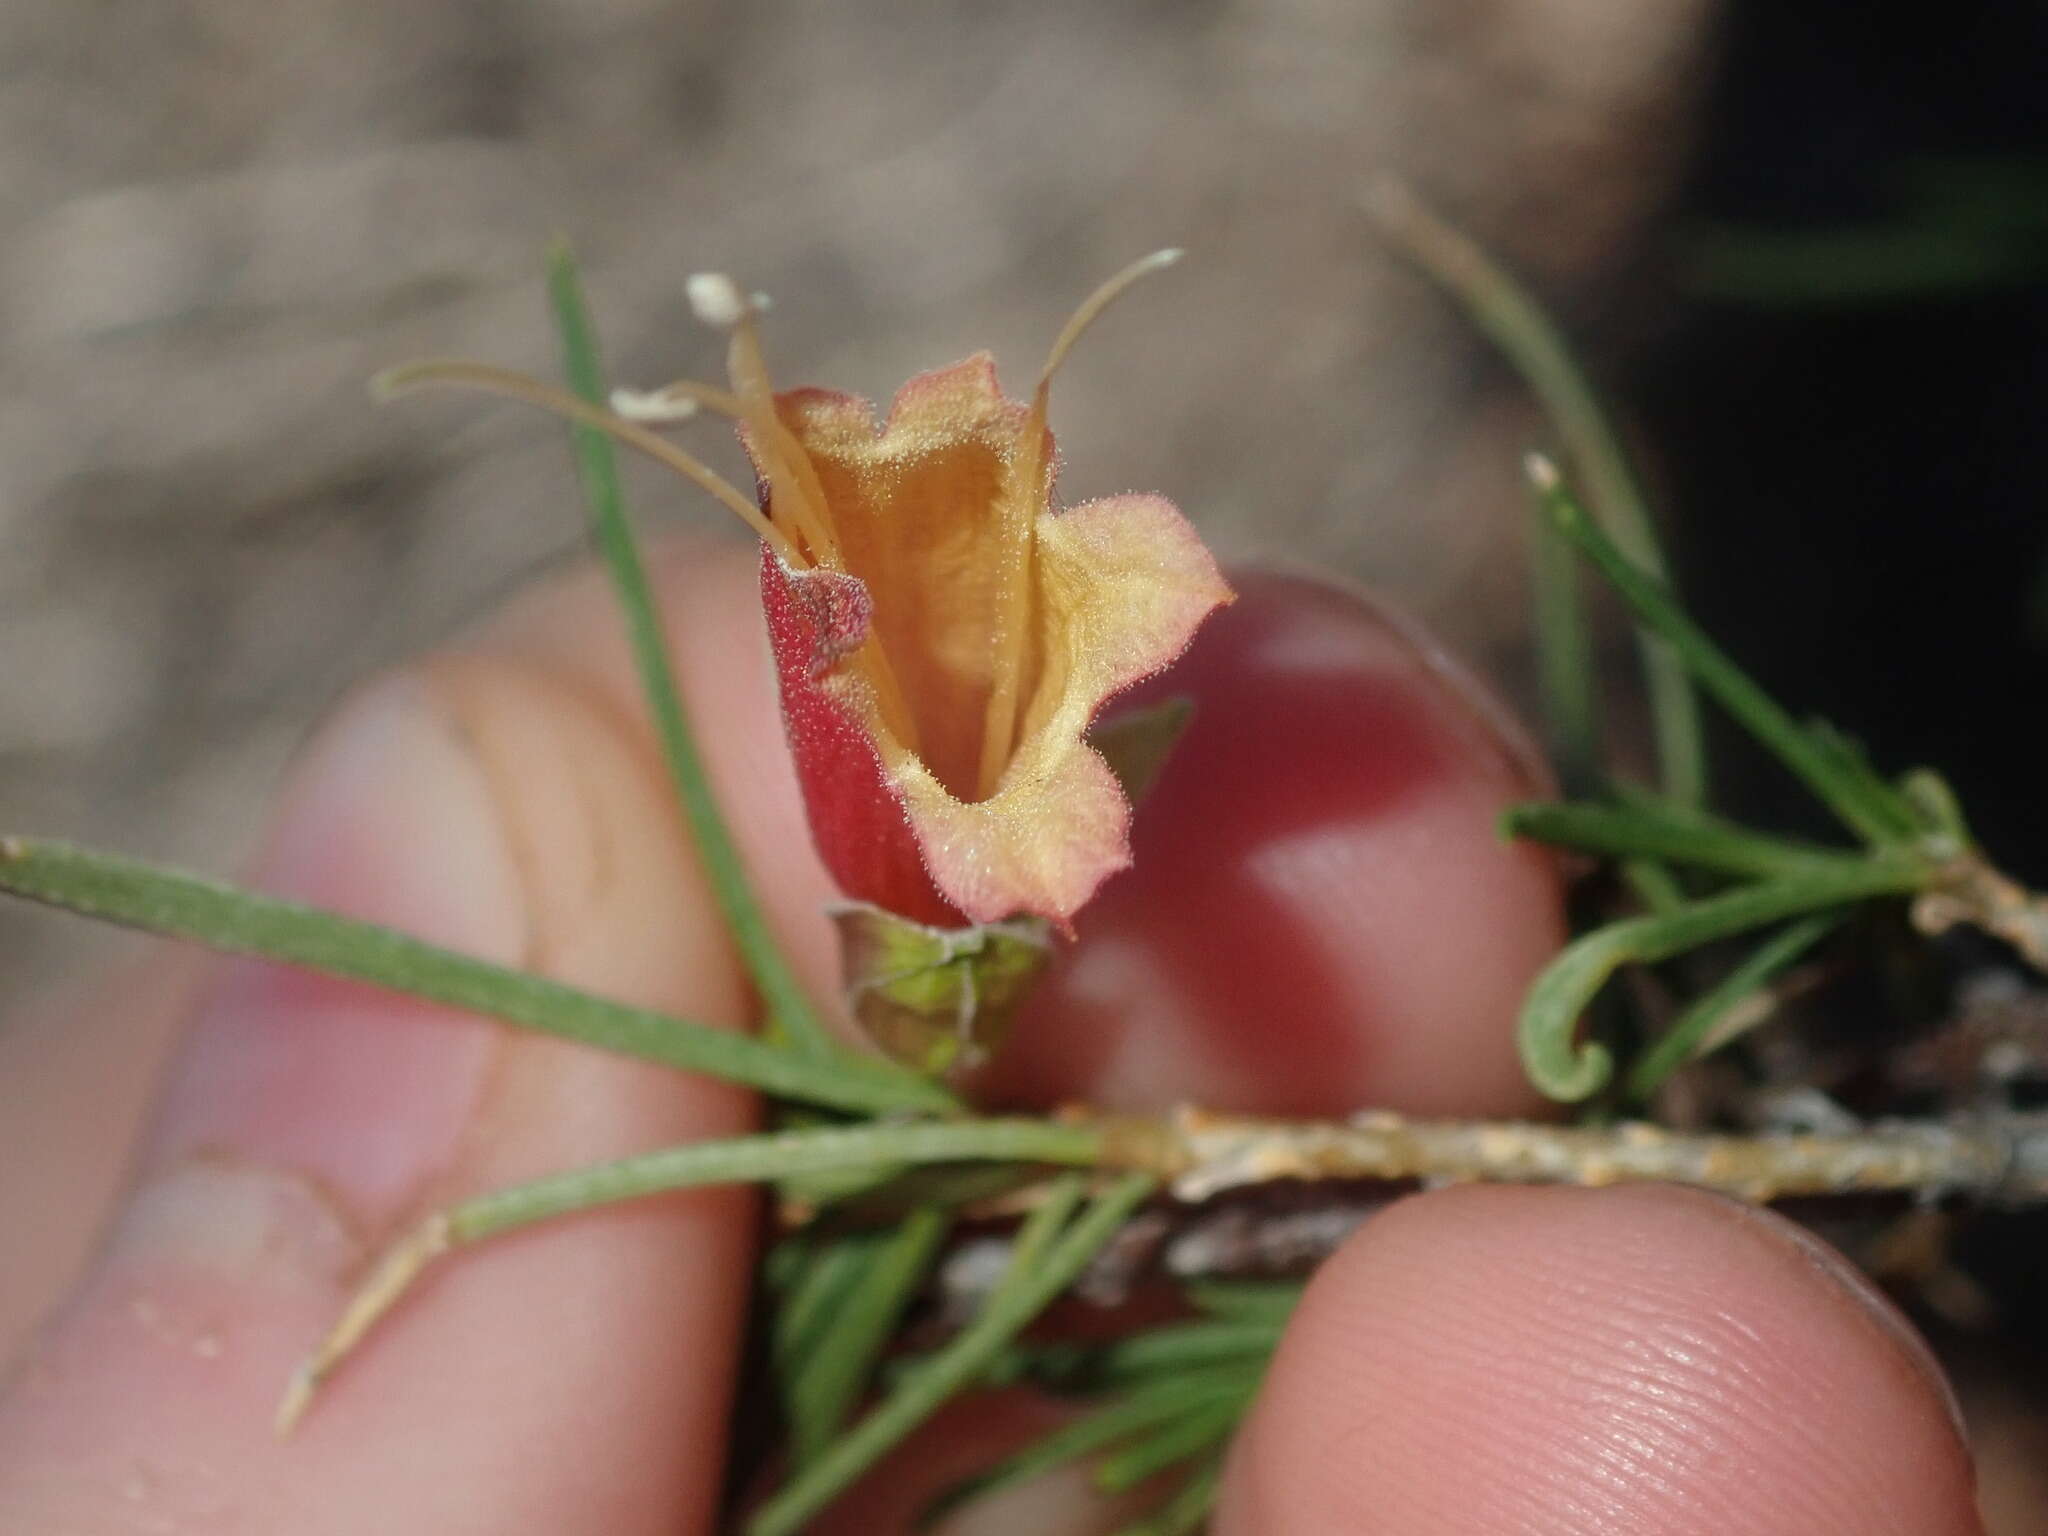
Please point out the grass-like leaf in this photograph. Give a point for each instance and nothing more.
(1039, 1230)
(1696, 1024)
(222, 917)
(1186, 1511)
(1564, 1067)
(1530, 340)
(964, 1360)
(1874, 810)
(1267, 1302)
(1677, 837)
(824, 1376)
(1183, 1346)
(789, 1010)
(1135, 1411)
(1194, 1430)
(774, 1155)
(1567, 673)
(812, 1275)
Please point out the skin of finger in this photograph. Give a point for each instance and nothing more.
(60, 1171)
(571, 633)
(1320, 912)
(510, 1392)
(111, 1043)
(1648, 1360)
(1390, 930)
(708, 591)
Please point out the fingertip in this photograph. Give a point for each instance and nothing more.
(1636, 1359)
(498, 808)
(708, 592)
(1320, 911)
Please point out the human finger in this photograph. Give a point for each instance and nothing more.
(571, 1376)
(1646, 1359)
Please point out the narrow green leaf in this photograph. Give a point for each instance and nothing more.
(1034, 1237)
(1178, 1347)
(1677, 837)
(1511, 318)
(1197, 1429)
(1853, 765)
(1681, 1043)
(952, 1187)
(1874, 811)
(1037, 1233)
(1271, 1302)
(239, 922)
(1654, 885)
(1565, 1068)
(1567, 672)
(825, 1271)
(961, 1363)
(837, 1364)
(1141, 1409)
(789, 1009)
(752, 1159)
(1186, 1511)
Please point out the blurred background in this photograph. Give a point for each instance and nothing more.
(1806, 250)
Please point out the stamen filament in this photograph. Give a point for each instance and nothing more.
(511, 385)
(1028, 497)
(1093, 306)
(795, 490)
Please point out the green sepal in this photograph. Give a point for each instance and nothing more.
(938, 1000)
(1137, 742)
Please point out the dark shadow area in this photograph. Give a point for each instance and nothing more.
(1852, 407)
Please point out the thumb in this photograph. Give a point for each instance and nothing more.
(488, 806)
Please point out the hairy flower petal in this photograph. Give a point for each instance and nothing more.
(962, 609)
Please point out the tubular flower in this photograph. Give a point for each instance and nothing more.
(944, 637)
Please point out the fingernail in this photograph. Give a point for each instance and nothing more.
(1831, 1262)
(1492, 724)
(387, 817)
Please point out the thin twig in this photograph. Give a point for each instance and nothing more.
(1996, 1158)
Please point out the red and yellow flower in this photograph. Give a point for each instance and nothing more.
(944, 635)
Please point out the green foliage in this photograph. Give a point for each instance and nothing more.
(1703, 877)
(241, 922)
(789, 1010)
(1510, 317)
(831, 1337)
(1168, 1397)
(1053, 1247)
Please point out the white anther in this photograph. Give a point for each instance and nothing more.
(716, 300)
(652, 405)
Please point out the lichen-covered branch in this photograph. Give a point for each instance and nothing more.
(1996, 1158)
